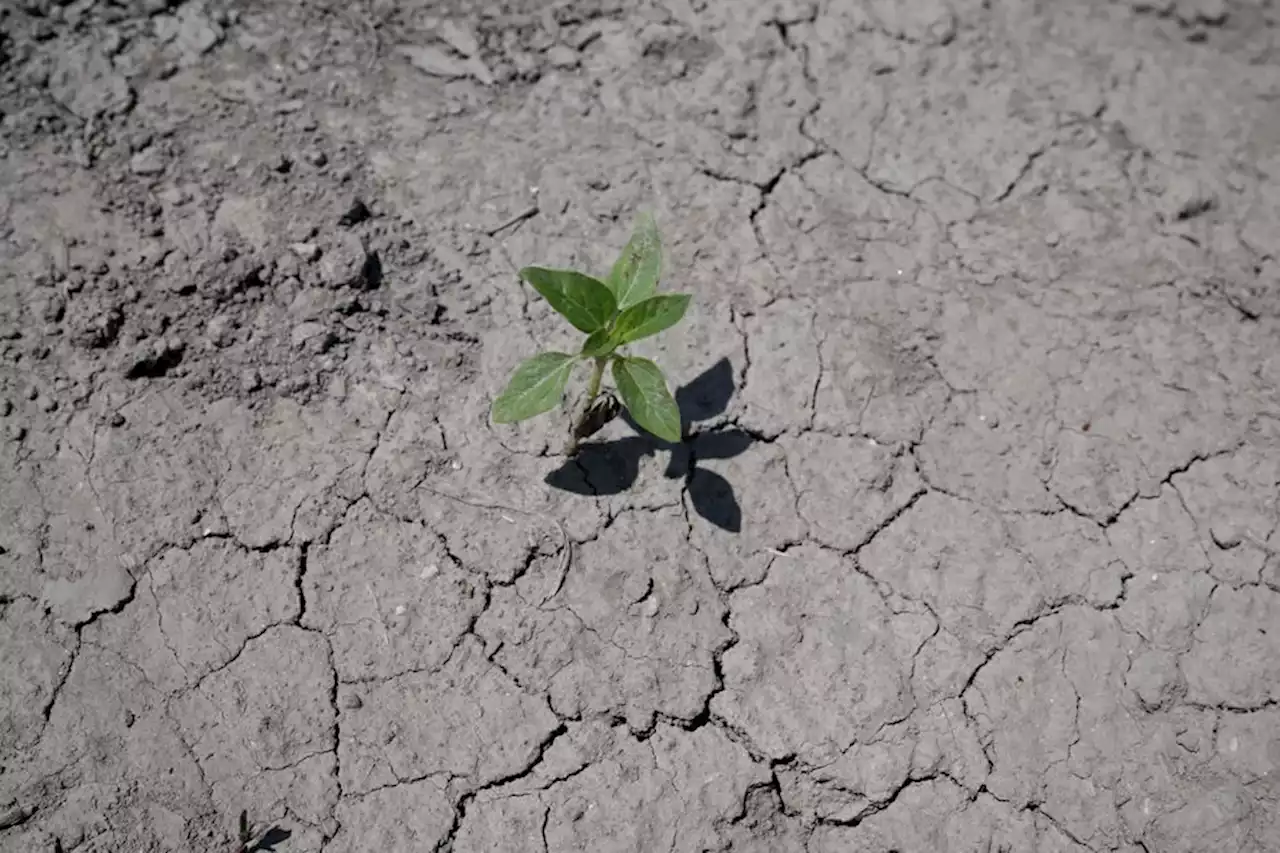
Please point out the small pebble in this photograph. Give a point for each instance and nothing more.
(117, 420)
(250, 381)
(309, 252)
(346, 263)
(351, 701)
(15, 432)
(147, 162)
(218, 330)
(304, 332)
(316, 158)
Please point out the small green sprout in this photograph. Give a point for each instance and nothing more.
(620, 310)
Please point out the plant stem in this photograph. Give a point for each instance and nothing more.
(593, 391)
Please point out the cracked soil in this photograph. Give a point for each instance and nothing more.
(974, 544)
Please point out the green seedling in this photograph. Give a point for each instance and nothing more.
(622, 309)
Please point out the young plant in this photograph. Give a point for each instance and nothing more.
(622, 309)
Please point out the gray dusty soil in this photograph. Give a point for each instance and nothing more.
(975, 541)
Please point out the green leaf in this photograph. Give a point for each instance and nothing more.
(599, 343)
(650, 317)
(584, 301)
(635, 274)
(645, 394)
(537, 386)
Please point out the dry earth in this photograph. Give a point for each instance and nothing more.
(972, 547)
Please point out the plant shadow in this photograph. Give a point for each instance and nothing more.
(273, 836)
(611, 467)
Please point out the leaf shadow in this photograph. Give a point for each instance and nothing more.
(607, 468)
(273, 836)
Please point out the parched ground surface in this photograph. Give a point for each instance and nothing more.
(974, 545)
